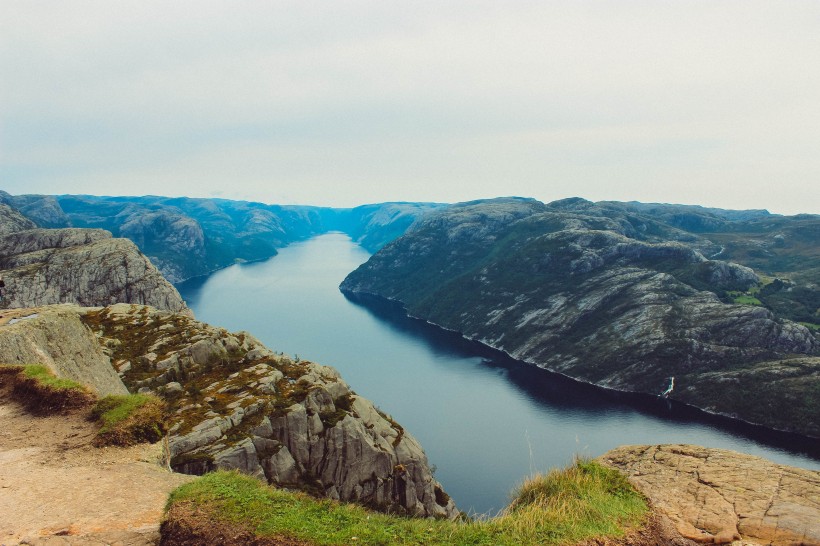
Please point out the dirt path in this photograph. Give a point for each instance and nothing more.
(55, 488)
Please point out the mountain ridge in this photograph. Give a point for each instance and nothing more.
(607, 300)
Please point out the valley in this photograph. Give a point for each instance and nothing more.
(476, 411)
(439, 326)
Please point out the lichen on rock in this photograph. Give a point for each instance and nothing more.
(236, 404)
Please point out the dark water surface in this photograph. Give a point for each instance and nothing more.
(485, 420)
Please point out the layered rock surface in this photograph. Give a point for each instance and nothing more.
(717, 496)
(83, 266)
(620, 302)
(239, 405)
(55, 337)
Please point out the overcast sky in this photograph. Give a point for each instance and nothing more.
(350, 102)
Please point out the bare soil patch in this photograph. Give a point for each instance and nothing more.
(56, 488)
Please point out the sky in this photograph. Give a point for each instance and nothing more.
(341, 103)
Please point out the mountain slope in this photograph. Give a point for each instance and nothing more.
(187, 237)
(11, 220)
(373, 226)
(610, 298)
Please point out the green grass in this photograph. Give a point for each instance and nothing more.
(811, 326)
(129, 419)
(562, 507)
(749, 297)
(46, 378)
(42, 393)
(745, 299)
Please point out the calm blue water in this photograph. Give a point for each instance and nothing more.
(485, 421)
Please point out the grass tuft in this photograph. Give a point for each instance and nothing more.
(584, 501)
(578, 502)
(37, 388)
(128, 420)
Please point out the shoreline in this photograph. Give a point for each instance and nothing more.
(635, 398)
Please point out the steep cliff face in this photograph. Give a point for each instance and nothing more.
(173, 242)
(604, 300)
(236, 404)
(82, 266)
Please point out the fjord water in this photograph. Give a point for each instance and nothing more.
(485, 421)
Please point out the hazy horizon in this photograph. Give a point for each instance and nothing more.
(401, 201)
(328, 104)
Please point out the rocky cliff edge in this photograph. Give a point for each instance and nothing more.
(55, 337)
(236, 404)
(83, 266)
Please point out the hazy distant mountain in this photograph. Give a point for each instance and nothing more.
(186, 237)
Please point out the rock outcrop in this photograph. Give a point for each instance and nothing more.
(620, 302)
(11, 220)
(83, 266)
(239, 405)
(719, 496)
(55, 337)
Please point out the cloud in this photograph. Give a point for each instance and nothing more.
(344, 103)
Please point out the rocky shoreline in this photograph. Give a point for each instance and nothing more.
(364, 298)
(571, 292)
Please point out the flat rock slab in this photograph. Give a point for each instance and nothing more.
(720, 496)
(56, 489)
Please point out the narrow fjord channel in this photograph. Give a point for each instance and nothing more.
(485, 421)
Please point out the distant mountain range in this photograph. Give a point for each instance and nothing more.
(187, 237)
